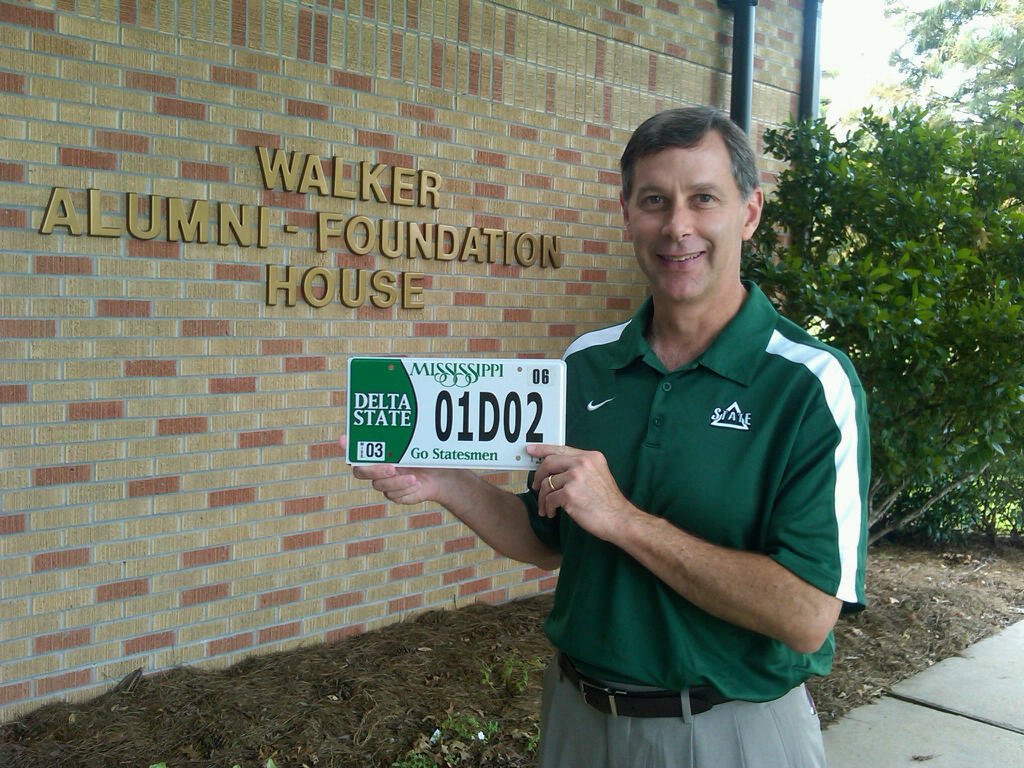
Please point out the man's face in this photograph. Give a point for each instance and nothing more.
(687, 221)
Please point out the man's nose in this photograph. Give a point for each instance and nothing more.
(678, 222)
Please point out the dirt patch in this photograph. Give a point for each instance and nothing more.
(422, 693)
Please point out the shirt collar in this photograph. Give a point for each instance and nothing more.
(734, 353)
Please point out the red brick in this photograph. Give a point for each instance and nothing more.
(336, 635)
(459, 574)
(368, 512)
(460, 544)
(181, 425)
(147, 81)
(205, 171)
(561, 329)
(485, 189)
(238, 22)
(27, 329)
(12, 218)
(148, 642)
(63, 681)
(302, 540)
(494, 597)
(242, 272)
(349, 80)
(435, 132)
(483, 345)
(190, 110)
(59, 641)
(407, 603)
(598, 132)
(231, 496)
(308, 109)
(127, 12)
(398, 159)
(153, 486)
(124, 142)
(335, 602)
(376, 139)
(65, 558)
(536, 180)
(231, 384)
(11, 171)
(62, 265)
(612, 179)
(13, 393)
(11, 13)
(261, 438)
(478, 585)
(118, 590)
(516, 315)
(122, 308)
(300, 364)
(325, 451)
(497, 159)
(279, 597)
(153, 249)
(470, 298)
(594, 275)
(150, 368)
(204, 594)
(523, 132)
(577, 289)
(503, 270)
(89, 410)
(247, 138)
(206, 556)
(400, 572)
(365, 547)
(430, 329)
(280, 632)
(14, 692)
(617, 302)
(87, 158)
(68, 473)
(12, 83)
(205, 328)
(595, 246)
(228, 644)
(425, 520)
(569, 155)
(230, 76)
(566, 214)
(12, 524)
(417, 111)
(281, 346)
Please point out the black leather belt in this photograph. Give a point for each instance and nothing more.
(638, 703)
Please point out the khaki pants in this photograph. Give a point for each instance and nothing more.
(784, 733)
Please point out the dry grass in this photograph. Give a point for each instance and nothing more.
(376, 700)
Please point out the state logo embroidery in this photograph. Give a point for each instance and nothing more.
(732, 417)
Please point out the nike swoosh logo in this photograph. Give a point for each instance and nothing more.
(592, 406)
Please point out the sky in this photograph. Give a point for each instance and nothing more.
(856, 42)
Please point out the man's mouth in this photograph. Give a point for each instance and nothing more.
(680, 258)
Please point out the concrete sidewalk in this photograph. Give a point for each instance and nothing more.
(964, 712)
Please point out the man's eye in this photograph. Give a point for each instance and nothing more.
(704, 199)
(651, 200)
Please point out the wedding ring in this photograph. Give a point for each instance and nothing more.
(551, 485)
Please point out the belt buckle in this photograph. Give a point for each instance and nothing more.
(600, 689)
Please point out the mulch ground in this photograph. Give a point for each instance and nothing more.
(462, 688)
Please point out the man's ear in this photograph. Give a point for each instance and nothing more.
(625, 216)
(752, 213)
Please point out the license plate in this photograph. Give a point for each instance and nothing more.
(453, 412)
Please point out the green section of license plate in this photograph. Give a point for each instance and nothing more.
(453, 412)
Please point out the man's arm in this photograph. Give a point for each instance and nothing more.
(744, 588)
(496, 516)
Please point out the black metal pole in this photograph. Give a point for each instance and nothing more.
(810, 62)
(742, 60)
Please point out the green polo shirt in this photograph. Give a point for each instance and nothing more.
(760, 444)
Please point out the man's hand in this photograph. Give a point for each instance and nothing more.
(581, 484)
(404, 485)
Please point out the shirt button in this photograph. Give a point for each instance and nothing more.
(666, 387)
(658, 421)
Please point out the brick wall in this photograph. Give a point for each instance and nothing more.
(170, 486)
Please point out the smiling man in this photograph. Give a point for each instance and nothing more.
(708, 510)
